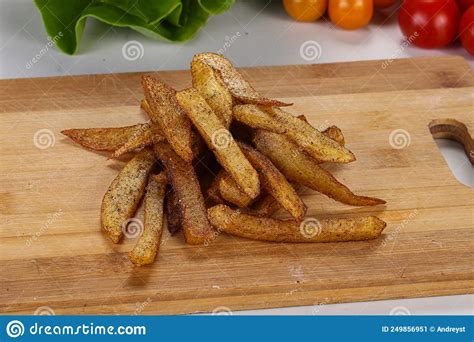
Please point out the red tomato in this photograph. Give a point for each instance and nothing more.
(350, 14)
(465, 4)
(429, 23)
(466, 30)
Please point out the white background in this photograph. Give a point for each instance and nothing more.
(265, 36)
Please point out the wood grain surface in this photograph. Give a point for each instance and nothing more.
(54, 254)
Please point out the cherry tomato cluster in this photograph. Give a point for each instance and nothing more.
(436, 23)
(347, 14)
(425, 23)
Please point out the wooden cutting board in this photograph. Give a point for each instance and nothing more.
(53, 253)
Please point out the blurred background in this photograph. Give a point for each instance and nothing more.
(251, 33)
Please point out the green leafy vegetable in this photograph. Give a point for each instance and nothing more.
(172, 20)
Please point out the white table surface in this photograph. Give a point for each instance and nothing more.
(261, 34)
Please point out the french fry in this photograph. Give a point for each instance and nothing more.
(316, 144)
(148, 243)
(122, 198)
(235, 82)
(149, 135)
(335, 133)
(104, 139)
(274, 182)
(260, 228)
(220, 141)
(298, 167)
(267, 205)
(213, 90)
(252, 116)
(224, 187)
(164, 110)
(187, 189)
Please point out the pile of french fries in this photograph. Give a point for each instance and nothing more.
(258, 154)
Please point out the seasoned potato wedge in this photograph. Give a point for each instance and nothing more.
(213, 90)
(104, 139)
(335, 133)
(185, 184)
(300, 168)
(316, 144)
(260, 228)
(224, 187)
(265, 206)
(122, 198)
(165, 111)
(274, 182)
(332, 132)
(220, 141)
(235, 82)
(252, 116)
(149, 135)
(148, 243)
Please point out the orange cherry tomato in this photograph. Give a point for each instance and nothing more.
(305, 10)
(384, 3)
(350, 14)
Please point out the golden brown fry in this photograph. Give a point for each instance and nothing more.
(174, 216)
(146, 107)
(260, 228)
(274, 182)
(332, 132)
(267, 205)
(213, 90)
(316, 144)
(335, 133)
(148, 243)
(103, 139)
(122, 198)
(220, 141)
(226, 188)
(252, 116)
(300, 168)
(235, 82)
(149, 135)
(169, 116)
(186, 186)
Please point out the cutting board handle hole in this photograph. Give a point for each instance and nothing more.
(453, 130)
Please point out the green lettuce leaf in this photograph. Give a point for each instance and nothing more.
(171, 20)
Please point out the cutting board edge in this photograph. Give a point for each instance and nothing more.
(264, 301)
